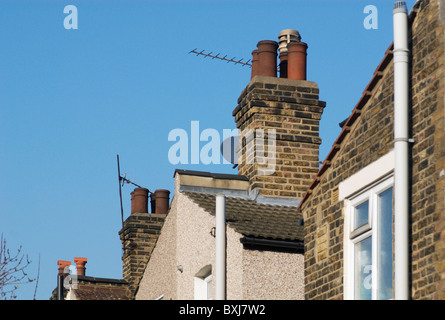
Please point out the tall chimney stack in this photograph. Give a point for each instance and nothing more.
(141, 231)
(286, 112)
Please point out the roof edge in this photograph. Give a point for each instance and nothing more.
(366, 95)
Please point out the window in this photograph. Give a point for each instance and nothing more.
(369, 242)
(203, 283)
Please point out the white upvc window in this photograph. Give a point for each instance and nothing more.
(371, 242)
(203, 284)
(368, 236)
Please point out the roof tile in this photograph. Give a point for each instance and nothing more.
(254, 219)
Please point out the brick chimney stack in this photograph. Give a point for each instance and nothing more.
(289, 105)
(141, 231)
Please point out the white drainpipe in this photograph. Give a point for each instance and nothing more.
(220, 261)
(401, 149)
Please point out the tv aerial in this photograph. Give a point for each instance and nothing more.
(217, 56)
(122, 180)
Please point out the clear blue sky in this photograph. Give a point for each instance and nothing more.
(70, 100)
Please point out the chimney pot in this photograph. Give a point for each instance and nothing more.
(267, 58)
(254, 64)
(286, 36)
(283, 64)
(62, 265)
(162, 199)
(80, 265)
(139, 200)
(153, 202)
(296, 64)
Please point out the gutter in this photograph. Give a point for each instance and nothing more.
(298, 246)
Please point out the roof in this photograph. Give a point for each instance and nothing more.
(92, 288)
(101, 293)
(253, 219)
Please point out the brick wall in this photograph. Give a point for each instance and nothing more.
(138, 236)
(370, 137)
(292, 109)
(428, 160)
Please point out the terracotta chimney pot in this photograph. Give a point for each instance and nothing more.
(153, 202)
(62, 265)
(267, 58)
(254, 64)
(162, 197)
(283, 64)
(296, 64)
(139, 200)
(80, 265)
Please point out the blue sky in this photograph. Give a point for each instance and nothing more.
(71, 100)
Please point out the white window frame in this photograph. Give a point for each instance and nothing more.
(365, 184)
(203, 284)
(369, 230)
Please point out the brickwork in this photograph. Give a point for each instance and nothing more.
(370, 137)
(428, 161)
(293, 110)
(138, 237)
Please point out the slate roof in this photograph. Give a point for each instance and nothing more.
(101, 293)
(253, 219)
(92, 288)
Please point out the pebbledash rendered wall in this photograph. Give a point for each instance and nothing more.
(371, 137)
(185, 241)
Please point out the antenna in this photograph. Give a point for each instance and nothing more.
(121, 181)
(217, 56)
(120, 189)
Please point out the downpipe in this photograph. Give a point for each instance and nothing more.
(401, 150)
(220, 256)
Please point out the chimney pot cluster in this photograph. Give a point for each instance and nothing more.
(292, 56)
(159, 201)
(80, 266)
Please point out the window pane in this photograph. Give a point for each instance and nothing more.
(363, 269)
(361, 215)
(385, 255)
